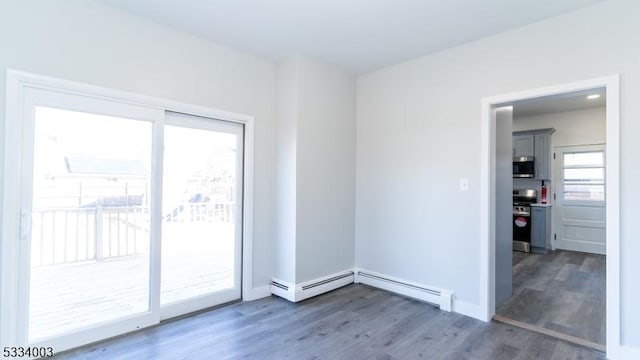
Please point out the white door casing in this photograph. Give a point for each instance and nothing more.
(615, 347)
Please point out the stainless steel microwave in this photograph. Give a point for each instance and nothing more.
(523, 167)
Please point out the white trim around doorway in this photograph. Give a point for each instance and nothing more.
(487, 212)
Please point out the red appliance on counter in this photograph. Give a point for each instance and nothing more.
(543, 194)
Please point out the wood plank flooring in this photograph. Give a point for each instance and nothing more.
(354, 322)
(563, 291)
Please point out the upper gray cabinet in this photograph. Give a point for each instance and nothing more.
(542, 154)
(536, 143)
(523, 145)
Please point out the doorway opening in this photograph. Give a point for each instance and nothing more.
(563, 281)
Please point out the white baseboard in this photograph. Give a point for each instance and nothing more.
(283, 289)
(623, 352)
(257, 293)
(441, 297)
(307, 289)
(430, 294)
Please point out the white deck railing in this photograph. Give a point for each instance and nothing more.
(69, 235)
(202, 212)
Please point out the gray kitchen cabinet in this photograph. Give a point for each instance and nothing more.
(523, 145)
(540, 228)
(542, 154)
(536, 143)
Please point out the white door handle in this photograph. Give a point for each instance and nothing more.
(25, 224)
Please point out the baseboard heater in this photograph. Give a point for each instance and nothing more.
(311, 288)
(280, 285)
(440, 297)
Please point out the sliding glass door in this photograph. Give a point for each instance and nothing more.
(85, 266)
(90, 238)
(201, 213)
(128, 215)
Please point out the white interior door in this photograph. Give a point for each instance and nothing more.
(580, 198)
(201, 213)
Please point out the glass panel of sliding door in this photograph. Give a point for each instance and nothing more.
(90, 221)
(201, 213)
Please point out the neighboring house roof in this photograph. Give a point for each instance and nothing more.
(88, 165)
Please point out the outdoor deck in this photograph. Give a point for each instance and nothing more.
(197, 259)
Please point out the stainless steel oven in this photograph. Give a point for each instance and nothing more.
(523, 167)
(522, 200)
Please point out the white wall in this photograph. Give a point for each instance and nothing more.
(326, 170)
(316, 182)
(84, 41)
(418, 131)
(579, 127)
(286, 179)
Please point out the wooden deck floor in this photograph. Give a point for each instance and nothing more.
(66, 297)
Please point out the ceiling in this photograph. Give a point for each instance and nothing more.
(356, 35)
(559, 103)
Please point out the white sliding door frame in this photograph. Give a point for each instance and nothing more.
(32, 98)
(15, 224)
(207, 300)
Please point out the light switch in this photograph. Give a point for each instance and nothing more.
(464, 184)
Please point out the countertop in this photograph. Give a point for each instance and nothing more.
(541, 205)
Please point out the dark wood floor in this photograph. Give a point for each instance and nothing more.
(563, 291)
(355, 322)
